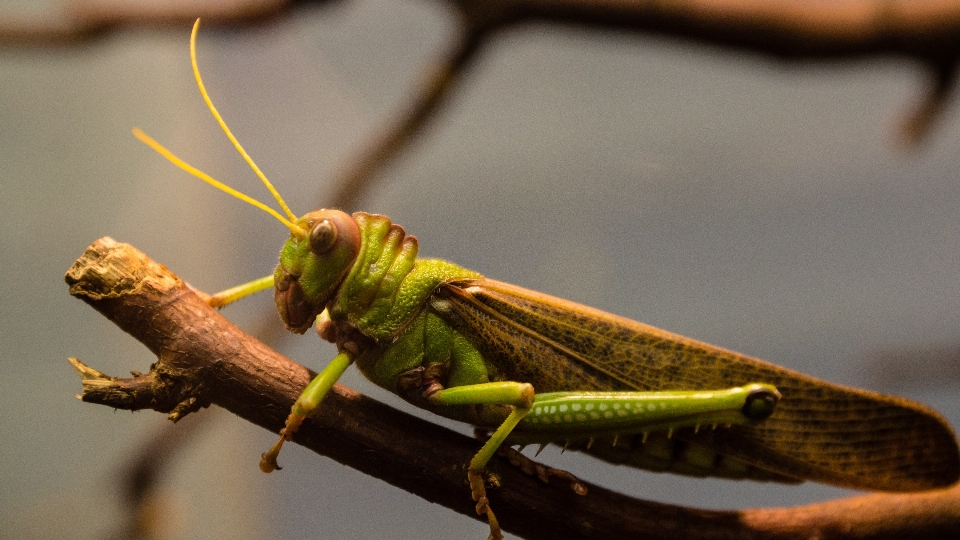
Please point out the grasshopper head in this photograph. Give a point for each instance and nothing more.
(313, 265)
(322, 246)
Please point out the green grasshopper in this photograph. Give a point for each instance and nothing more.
(528, 368)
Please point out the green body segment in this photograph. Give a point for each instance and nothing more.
(388, 286)
(390, 296)
(430, 345)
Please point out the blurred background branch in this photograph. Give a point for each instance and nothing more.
(792, 30)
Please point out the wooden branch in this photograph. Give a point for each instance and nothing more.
(203, 359)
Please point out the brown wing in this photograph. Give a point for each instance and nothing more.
(820, 431)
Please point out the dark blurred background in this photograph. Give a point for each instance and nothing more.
(756, 205)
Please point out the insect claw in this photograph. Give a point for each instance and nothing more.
(645, 435)
(542, 446)
(670, 433)
(714, 426)
(566, 443)
(615, 439)
(590, 443)
(696, 428)
(522, 446)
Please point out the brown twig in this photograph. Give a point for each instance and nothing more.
(204, 359)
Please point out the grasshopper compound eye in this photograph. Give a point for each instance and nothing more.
(323, 236)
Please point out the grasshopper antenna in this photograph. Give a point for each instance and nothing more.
(223, 125)
(289, 221)
(159, 148)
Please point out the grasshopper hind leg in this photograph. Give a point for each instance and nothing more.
(520, 396)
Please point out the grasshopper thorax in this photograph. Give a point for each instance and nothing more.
(312, 266)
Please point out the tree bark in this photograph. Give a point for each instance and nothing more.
(203, 359)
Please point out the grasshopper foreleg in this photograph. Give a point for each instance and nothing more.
(231, 295)
(308, 402)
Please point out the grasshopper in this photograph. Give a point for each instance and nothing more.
(528, 368)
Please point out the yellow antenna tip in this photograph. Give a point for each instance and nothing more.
(290, 221)
(223, 125)
(160, 149)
